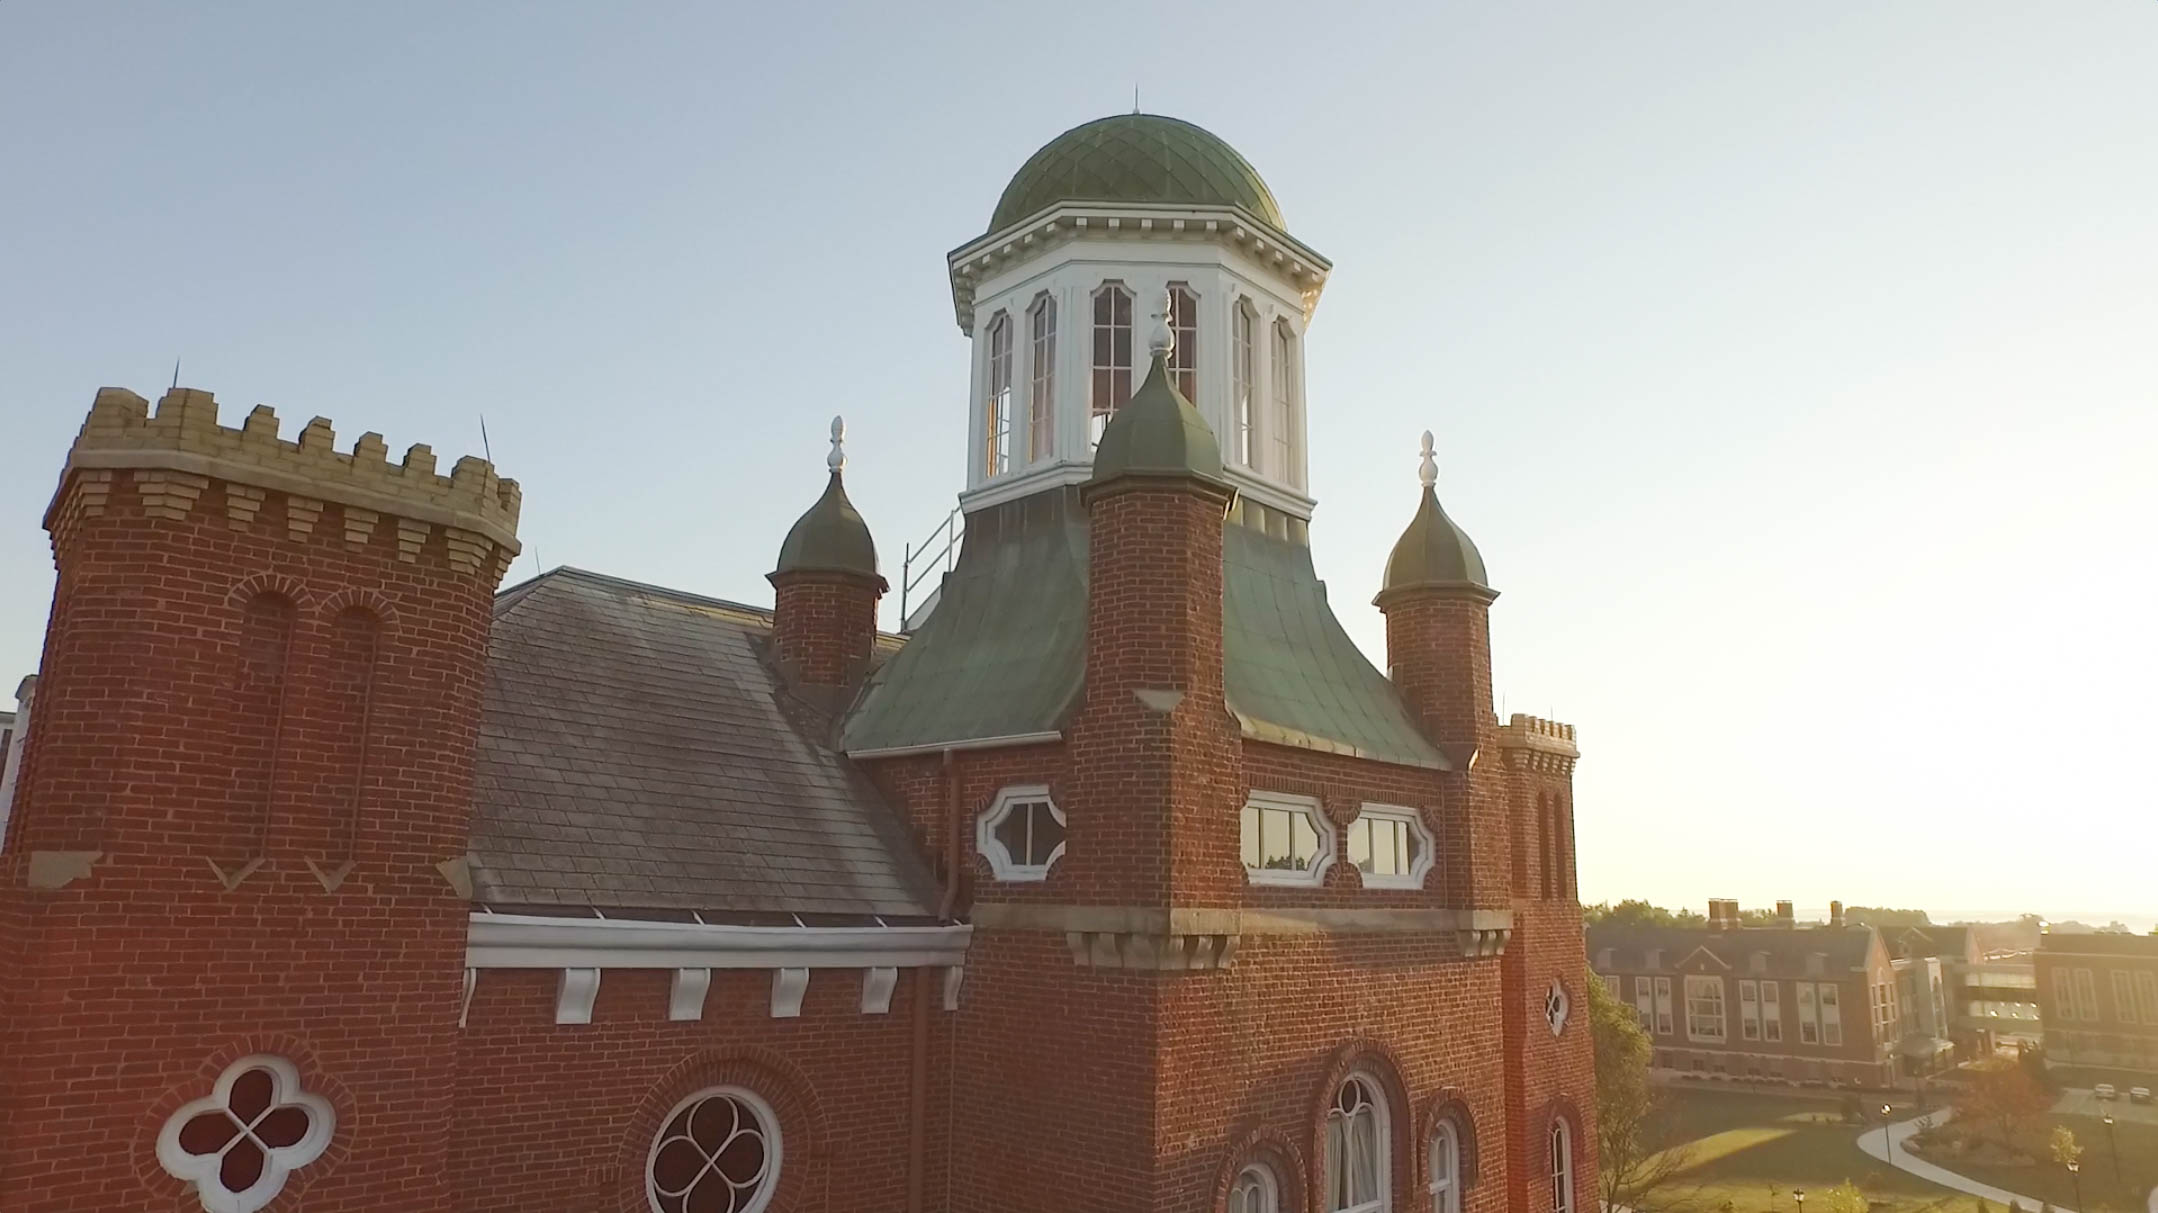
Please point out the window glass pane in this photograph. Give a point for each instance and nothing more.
(1360, 843)
(1011, 834)
(1307, 840)
(1252, 852)
(1048, 834)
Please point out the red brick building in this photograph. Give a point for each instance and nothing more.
(2098, 994)
(338, 879)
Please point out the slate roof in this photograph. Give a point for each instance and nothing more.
(1844, 949)
(1949, 943)
(635, 750)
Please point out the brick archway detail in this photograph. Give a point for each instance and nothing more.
(290, 588)
(1451, 1104)
(1275, 1149)
(1363, 1056)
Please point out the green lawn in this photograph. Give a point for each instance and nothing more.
(2101, 1191)
(1743, 1145)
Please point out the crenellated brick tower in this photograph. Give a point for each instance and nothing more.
(242, 816)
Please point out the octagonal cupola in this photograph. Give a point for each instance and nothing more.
(1096, 227)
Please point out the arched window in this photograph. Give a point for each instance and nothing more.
(1042, 399)
(1357, 1165)
(1546, 843)
(719, 1151)
(1282, 422)
(1243, 372)
(1445, 1169)
(1255, 1191)
(1562, 1167)
(1111, 385)
(997, 409)
(1184, 322)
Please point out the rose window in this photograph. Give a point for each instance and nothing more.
(719, 1153)
(238, 1144)
(1556, 1005)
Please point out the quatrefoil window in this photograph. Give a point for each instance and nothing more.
(239, 1144)
(1556, 1007)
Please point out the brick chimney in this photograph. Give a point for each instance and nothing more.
(1784, 917)
(1835, 914)
(256, 715)
(825, 587)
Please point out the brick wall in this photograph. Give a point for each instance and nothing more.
(237, 689)
(824, 625)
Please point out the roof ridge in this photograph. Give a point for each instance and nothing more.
(690, 596)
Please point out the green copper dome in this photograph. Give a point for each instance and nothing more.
(1157, 433)
(830, 538)
(1136, 158)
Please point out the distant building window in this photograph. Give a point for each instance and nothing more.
(1831, 1015)
(1021, 833)
(1749, 1010)
(1390, 846)
(1243, 369)
(1616, 984)
(1445, 1169)
(1664, 1025)
(1771, 1012)
(718, 1150)
(1281, 425)
(1110, 387)
(1184, 356)
(1357, 1167)
(1042, 399)
(2086, 996)
(2064, 993)
(1809, 1019)
(2147, 996)
(238, 1145)
(1644, 1003)
(1562, 1167)
(1286, 840)
(1704, 1008)
(1255, 1191)
(997, 407)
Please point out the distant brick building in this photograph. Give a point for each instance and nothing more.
(338, 880)
(1801, 1003)
(2099, 997)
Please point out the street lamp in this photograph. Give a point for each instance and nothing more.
(1888, 1144)
(1799, 1195)
(2075, 1177)
(2113, 1148)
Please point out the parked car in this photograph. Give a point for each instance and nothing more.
(2104, 1090)
(2139, 1094)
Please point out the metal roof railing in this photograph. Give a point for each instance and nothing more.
(937, 554)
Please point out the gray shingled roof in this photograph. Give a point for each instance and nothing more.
(636, 751)
(1845, 948)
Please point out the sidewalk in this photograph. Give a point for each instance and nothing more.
(1902, 1159)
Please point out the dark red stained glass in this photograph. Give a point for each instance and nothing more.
(742, 1162)
(207, 1133)
(251, 1095)
(242, 1166)
(283, 1127)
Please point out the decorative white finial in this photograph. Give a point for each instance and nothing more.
(1161, 339)
(838, 458)
(1428, 470)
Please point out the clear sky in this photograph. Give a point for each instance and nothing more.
(1794, 365)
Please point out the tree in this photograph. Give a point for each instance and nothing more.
(1634, 912)
(1882, 916)
(1844, 1198)
(2004, 1096)
(2062, 1146)
(1630, 1110)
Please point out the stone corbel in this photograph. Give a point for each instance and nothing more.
(1155, 952)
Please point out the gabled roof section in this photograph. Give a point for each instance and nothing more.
(1703, 954)
(1843, 950)
(636, 750)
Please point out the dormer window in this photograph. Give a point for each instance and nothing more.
(997, 439)
(1041, 399)
(1111, 380)
(1243, 374)
(1184, 357)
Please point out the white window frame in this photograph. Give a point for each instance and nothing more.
(1256, 1179)
(998, 372)
(1666, 1022)
(1099, 411)
(2147, 996)
(204, 1171)
(1809, 1012)
(1313, 876)
(1445, 1168)
(1382, 1146)
(1243, 380)
(1771, 1013)
(767, 1124)
(1281, 420)
(1002, 863)
(1562, 1166)
(1644, 1002)
(1831, 1005)
(2064, 993)
(1042, 375)
(1558, 1006)
(1426, 851)
(1749, 1010)
(1723, 1011)
(1183, 320)
(2086, 996)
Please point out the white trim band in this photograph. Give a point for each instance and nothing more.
(516, 941)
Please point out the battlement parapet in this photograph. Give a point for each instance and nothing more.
(173, 449)
(1525, 732)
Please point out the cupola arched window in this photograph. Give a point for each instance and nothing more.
(1282, 423)
(1041, 398)
(1184, 322)
(1111, 386)
(1243, 374)
(997, 408)
(1356, 1149)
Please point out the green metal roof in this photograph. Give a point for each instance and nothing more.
(1004, 652)
(1157, 433)
(1136, 158)
(830, 538)
(1433, 551)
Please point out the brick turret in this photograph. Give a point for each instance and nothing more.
(825, 587)
(241, 821)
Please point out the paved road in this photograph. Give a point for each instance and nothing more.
(1904, 1160)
